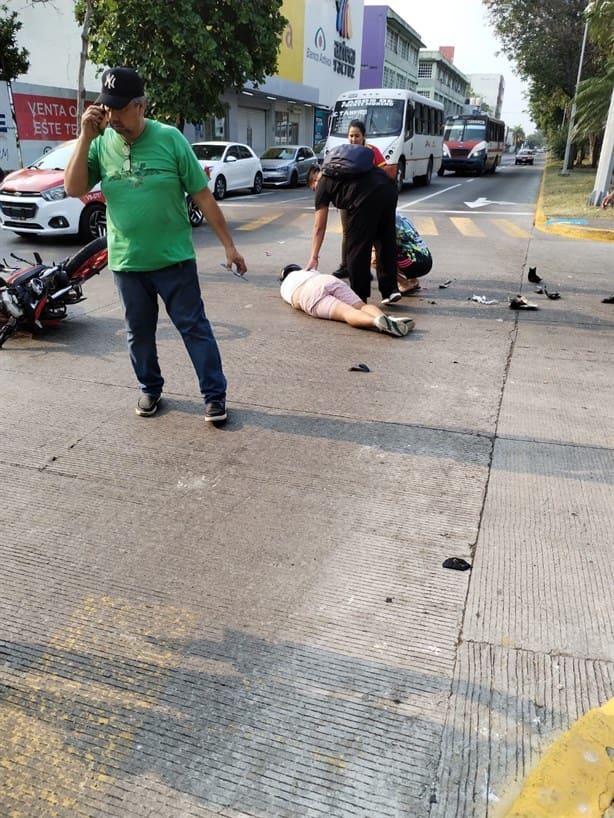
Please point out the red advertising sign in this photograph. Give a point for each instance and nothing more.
(45, 118)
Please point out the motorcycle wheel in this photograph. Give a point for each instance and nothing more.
(88, 261)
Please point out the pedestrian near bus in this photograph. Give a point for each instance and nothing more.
(357, 135)
(370, 197)
(145, 169)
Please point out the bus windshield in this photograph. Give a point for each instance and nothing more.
(383, 117)
(464, 130)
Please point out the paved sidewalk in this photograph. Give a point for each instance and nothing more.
(255, 620)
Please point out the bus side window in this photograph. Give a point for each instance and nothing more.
(409, 121)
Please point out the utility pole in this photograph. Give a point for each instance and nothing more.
(572, 116)
(605, 168)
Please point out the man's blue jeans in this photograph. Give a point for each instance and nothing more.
(179, 289)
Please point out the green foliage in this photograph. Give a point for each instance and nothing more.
(189, 51)
(13, 60)
(543, 38)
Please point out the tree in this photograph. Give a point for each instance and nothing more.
(13, 60)
(543, 39)
(594, 93)
(189, 52)
(518, 136)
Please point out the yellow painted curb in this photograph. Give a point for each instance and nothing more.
(575, 778)
(571, 231)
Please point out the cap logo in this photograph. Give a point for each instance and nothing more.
(109, 81)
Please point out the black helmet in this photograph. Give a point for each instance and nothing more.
(289, 268)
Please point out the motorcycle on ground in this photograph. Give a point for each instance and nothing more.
(38, 295)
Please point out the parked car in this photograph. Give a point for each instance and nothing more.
(33, 200)
(229, 166)
(525, 156)
(287, 164)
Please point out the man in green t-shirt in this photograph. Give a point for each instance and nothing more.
(145, 169)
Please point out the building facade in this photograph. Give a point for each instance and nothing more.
(390, 49)
(488, 89)
(320, 56)
(439, 79)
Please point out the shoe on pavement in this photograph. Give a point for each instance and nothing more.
(147, 405)
(215, 411)
(385, 323)
(409, 322)
(341, 272)
(392, 298)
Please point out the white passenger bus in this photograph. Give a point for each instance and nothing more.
(405, 126)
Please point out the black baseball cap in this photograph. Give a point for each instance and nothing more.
(119, 87)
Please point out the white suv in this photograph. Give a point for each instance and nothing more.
(33, 201)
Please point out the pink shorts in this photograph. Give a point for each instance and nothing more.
(318, 295)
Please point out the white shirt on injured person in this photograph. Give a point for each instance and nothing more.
(293, 281)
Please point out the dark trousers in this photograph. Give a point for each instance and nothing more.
(179, 289)
(373, 221)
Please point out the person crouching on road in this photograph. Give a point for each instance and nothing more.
(145, 169)
(326, 296)
(370, 199)
(414, 258)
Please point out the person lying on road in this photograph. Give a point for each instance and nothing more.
(325, 296)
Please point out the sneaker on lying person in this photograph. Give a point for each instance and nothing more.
(384, 323)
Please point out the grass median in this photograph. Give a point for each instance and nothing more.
(565, 197)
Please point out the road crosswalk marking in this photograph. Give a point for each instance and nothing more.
(467, 226)
(254, 224)
(511, 229)
(425, 225)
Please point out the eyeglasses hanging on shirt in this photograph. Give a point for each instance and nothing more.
(127, 151)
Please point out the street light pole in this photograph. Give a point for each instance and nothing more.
(572, 116)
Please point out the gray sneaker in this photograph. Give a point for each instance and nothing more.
(392, 298)
(385, 323)
(147, 405)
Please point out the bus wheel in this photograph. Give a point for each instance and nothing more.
(495, 165)
(400, 177)
(426, 179)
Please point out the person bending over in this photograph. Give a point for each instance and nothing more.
(326, 296)
(357, 135)
(371, 199)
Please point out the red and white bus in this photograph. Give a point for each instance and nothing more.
(472, 143)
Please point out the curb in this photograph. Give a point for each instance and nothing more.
(576, 775)
(571, 231)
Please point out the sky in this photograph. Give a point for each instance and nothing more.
(464, 25)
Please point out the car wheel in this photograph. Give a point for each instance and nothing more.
(441, 171)
(257, 188)
(219, 187)
(293, 179)
(93, 222)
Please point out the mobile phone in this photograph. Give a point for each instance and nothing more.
(232, 270)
